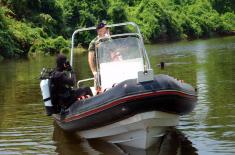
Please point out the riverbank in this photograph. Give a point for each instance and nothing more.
(80, 50)
(191, 38)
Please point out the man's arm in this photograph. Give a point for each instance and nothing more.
(67, 80)
(91, 57)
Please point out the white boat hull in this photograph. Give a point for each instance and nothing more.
(139, 131)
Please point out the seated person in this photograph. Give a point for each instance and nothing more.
(63, 94)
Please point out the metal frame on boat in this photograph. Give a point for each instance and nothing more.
(147, 66)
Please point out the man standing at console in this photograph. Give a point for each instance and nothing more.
(102, 31)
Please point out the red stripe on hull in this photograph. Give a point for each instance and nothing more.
(125, 99)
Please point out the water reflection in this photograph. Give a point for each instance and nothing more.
(202, 108)
(211, 125)
(173, 143)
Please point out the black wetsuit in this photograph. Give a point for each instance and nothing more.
(63, 94)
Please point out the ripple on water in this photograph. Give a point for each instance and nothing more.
(27, 140)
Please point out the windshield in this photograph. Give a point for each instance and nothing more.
(119, 59)
(119, 49)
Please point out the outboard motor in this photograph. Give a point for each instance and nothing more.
(45, 89)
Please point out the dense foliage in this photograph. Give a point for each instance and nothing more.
(167, 19)
(45, 26)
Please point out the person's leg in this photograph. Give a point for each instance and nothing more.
(88, 91)
(82, 92)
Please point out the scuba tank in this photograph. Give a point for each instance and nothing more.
(45, 90)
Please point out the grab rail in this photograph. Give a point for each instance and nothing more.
(84, 80)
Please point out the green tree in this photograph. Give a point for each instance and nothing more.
(6, 42)
(157, 20)
(117, 12)
(37, 25)
(223, 6)
(35, 12)
(85, 13)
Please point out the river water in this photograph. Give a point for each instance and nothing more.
(208, 65)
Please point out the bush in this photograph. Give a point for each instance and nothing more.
(228, 20)
(165, 19)
(65, 50)
(38, 25)
(18, 38)
(117, 13)
(50, 46)
(6, 42)
(6, 45)
(156, 20)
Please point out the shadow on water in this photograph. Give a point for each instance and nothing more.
(173, 143)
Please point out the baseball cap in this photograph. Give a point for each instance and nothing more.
(100, 25)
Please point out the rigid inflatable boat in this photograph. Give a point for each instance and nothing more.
(135, 106)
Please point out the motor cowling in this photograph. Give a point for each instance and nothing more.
(45, 89)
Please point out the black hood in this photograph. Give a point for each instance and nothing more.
(60, 61)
